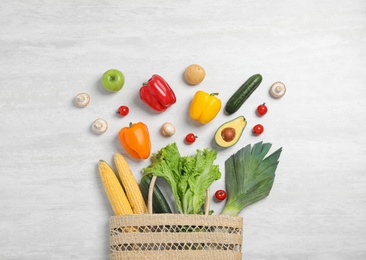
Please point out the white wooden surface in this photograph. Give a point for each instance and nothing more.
(52, 205)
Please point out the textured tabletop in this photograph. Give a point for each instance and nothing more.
(52, 202)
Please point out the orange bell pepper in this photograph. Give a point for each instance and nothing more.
(135, 139)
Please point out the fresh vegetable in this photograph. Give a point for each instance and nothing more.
(249, 176)
(190, 138)
(194, 74)
(229, 132)
(204, 107)
(113, 80)
(167, 129)
(130, 185)
(277, 90)
(99, 126)
(160, 204)
(82, 100)
(262, 109)
(123, 110)
(258, 129)
(136, 140)
(220, 194)
(242, 94)
(114, 190)
(157, 94)
(188, 176)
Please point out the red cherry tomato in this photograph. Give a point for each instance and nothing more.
(220, 194)
(190, 138)
(258, 129)
(262, 109)
(123, 110)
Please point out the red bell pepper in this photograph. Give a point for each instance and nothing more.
(157, 94)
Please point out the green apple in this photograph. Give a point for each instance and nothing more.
(113, 80)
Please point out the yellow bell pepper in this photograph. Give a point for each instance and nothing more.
(204, 107)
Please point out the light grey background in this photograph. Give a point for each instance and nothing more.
(52, 204)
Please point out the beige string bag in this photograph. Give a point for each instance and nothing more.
(175, 236)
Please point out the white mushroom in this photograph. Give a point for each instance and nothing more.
(277, 90)
(82, 100)
(167, 129)
(99, 126)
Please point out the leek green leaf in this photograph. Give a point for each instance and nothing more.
(249, 176)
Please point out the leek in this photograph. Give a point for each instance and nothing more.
(249, 176)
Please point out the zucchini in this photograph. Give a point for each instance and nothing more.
(160, 204)
(242, 94)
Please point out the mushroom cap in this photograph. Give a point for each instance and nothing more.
(167, 129)
(99, 126)
(277, 90)
(82, 100)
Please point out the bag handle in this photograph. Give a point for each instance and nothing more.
(150, 198)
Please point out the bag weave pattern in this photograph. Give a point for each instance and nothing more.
(175, 236)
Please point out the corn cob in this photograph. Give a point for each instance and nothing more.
(130, 185)
(113, 189)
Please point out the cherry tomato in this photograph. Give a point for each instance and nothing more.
(123, 110)
(262, 109)
(190, 138)
(220, 194)
(258, 129)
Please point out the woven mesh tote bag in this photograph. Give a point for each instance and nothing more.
(175, 236)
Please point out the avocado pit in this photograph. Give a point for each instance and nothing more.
(228, 134)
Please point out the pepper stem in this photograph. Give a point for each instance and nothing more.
(214, 94)
(130, 125)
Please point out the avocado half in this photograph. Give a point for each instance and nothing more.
(238, 124)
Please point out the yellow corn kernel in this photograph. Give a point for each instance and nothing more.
(113, 189)
(130, 185)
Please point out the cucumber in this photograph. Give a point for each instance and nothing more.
(242, 94)
(160, 204)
